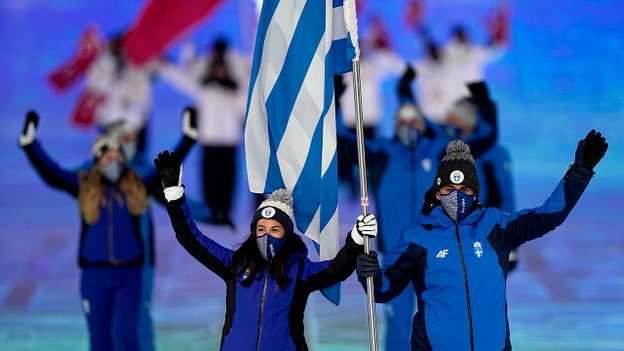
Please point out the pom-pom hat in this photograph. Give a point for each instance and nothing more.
(279, 206)
(457, 167)
(102, 144)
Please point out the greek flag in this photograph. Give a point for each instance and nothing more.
(290, 128)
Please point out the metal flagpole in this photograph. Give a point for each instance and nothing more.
(351, 22)
(359, 125)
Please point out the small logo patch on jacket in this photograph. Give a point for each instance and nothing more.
(478, 249)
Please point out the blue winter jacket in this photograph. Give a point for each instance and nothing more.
(494, 171)
(459, 270)
(262, 316)
(115, 239)
(399, 178)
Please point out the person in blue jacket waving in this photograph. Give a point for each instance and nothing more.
(456, 255)
(269, 277)
(115, 254)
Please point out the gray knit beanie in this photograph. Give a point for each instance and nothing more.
(466, 112)
(457, 167)
(279, 206)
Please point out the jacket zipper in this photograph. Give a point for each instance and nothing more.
(264, 290)
(461, 256)
(111, 238)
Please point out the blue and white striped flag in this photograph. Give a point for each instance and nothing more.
(290, 129)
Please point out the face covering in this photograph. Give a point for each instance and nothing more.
(112, 170)
(454, 132)
(408, 136)
(456, 204)
(129, 150)
(269, 245)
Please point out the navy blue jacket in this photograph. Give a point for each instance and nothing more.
(115, 239)
(459, 270)
(262, 316)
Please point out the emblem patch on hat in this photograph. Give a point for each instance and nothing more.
(268, 212)
(457, 177)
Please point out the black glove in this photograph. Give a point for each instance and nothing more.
(367, 265)
(189, 123)
(169, 168)
(339, 87)
(30, 128)
(408, 76)
(590, 150)
(479, 91)
(404, 89)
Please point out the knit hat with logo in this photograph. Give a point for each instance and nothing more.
(457, 167)
(279, 206)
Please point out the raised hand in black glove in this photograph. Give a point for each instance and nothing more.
(404, 89)
(189, 123)
(590, 150)
(169, 168)
(479, 92)
(30, 129)
(408, 75)
(367, 265)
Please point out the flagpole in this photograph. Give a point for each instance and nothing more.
(351, 23)
(359, 125)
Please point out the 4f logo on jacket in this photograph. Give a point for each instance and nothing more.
(442, 253)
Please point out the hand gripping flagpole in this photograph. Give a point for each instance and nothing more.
(352, 28)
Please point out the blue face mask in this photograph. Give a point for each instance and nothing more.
(129, 149)
(456, 204)
(408, 136)
(269, 245)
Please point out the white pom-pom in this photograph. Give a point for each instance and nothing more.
(282, 199)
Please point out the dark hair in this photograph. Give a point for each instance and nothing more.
(247, 260)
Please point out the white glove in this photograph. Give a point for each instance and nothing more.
(173, 193)
(189, 123)
(364, 226)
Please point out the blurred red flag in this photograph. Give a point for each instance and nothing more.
(88, 48)
(83, 115)
(499, 25)
(160, 23)
(413, 14)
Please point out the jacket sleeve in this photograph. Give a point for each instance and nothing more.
(50, 171)
(391, 281)
(339, 268)
(205, 250)
(530, 224)
(180, 79)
